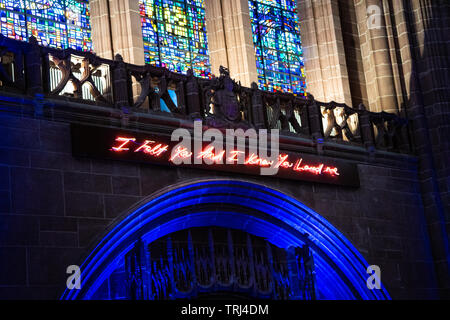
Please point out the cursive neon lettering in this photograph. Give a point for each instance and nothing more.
(209, 154)
(312, 169)
(153, 148)
(125, 141)
(253, 159)
(234, 155)
(282, 162)
(156, 150)
(182, 153)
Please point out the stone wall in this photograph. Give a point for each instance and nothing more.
(54, 208)
(397, 57)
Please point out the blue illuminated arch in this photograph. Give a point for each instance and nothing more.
(256, 209)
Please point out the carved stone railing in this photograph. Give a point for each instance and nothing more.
(32, 70)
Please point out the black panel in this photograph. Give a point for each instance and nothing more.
(97, 142)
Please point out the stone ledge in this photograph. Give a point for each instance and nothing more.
(67, 111)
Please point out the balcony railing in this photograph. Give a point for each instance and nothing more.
(29, 69)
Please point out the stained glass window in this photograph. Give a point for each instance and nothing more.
(55, 23)
(174, 34)
(276, 36)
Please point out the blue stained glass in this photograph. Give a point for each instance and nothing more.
(56, 23)
(278, 48)
(174, 34)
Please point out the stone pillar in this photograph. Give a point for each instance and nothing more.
(323, 49)
(375, 36)
(101, 28)
(230, 39)
(216, 35)
(352, 50)
(116, 29)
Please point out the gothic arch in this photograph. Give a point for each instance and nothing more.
(253, 208)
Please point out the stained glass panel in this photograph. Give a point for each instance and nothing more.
(174, 34)
(276, 36)
(55, 23)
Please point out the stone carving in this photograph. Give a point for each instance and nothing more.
(257, 107)
(340, 122)
(154, 84)
(193, 96)
(69, 65)
(223, 109)
(120, 83)
(11, 64)
(389, 133)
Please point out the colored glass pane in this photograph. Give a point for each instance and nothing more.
(174, 34)
(55, 23)
(276, 36)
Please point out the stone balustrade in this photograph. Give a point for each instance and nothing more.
(33, 70)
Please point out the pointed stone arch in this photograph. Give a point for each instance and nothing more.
(253, 208)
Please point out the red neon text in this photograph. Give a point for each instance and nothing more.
(122, 146)
(146, 147)
(332, 170)
(253, 159)
(155, 150)
(317, 170)
(283, 163)
(209, 154)
(180, 152)
(234, 155)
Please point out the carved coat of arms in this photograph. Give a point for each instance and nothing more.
(223, 107)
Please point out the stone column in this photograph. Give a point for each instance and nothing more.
(376, 41)
(230, 39)
(101, 28)
(323, 49)
(116, 29)
(216, 35)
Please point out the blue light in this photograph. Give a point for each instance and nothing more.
(261, 211)
(174, 97)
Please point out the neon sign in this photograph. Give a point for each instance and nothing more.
(116, 144)
(155, 149)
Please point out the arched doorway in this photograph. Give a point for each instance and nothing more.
(340, 271)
